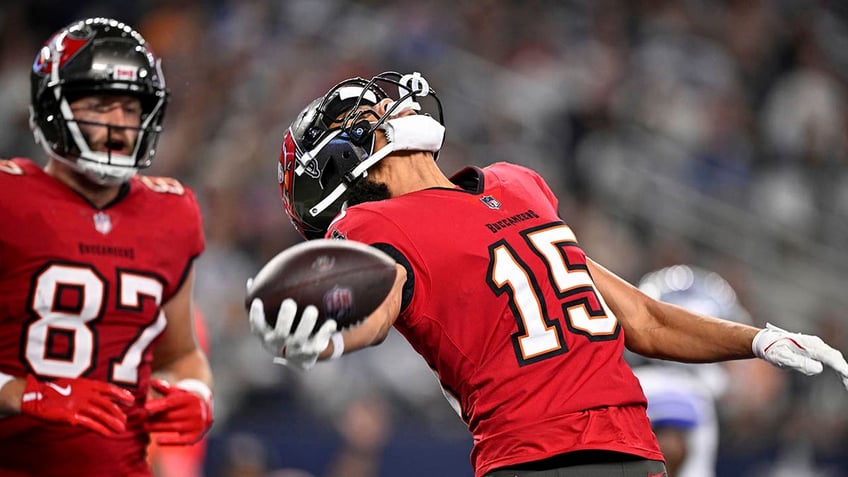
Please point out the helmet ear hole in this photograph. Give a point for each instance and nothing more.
(339, 159)
(328, 173)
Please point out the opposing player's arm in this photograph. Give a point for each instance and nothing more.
(376, 327)
(661, 330)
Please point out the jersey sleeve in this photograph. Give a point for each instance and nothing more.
(543, 186)
(176, 205)
(197, 239)
(532, 177)
(360, 225)
(192, 235)
(186, 211)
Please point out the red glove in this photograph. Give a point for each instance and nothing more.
(80, 401)
(183, 415)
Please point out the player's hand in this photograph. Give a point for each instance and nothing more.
(297, 347)
(805, 353)
(181, 415)
(78, 402)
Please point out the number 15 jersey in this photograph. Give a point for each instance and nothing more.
(501, 305)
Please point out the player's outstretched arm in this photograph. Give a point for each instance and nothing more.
(78, 402)
(662, 330)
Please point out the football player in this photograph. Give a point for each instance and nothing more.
(96, 268)
(524, 331)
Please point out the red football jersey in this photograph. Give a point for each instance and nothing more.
(504, 310)
(82, 291)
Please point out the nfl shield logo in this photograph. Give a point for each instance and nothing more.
(338, 303)
(102, 223)
(491, 202)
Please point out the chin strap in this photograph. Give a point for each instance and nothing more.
(415, 132)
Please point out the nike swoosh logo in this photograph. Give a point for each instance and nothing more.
(64, 391)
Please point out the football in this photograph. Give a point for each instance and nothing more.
(345, 280)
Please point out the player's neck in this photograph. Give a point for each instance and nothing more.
(410, 172)
(98, 195)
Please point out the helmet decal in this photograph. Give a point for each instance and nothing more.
(285, 170)
(65, 48)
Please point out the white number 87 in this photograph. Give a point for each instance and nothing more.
(76, 321)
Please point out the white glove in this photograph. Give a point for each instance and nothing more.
(805, 353)
(294, 348)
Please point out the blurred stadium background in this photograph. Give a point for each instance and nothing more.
(697, 131)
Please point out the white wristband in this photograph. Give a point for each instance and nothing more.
(5, 378)
(338, 345)
(759, 350)
(196, 386)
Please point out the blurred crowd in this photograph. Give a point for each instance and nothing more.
(710, 132)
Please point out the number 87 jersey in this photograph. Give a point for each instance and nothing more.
(82, 291)
(501, 305)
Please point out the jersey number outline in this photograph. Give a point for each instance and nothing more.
(76, 322)
(540, 336)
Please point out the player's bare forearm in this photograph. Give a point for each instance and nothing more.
(369, 333)
(376, 327)
(191, 365)
(680, 335)
(177, 355)
(661, 330)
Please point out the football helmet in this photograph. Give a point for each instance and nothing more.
(695, 289)
(96, 56)
(330, 145)
(701, 291)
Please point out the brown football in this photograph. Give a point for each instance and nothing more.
(345, 280)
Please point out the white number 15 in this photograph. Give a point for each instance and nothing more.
(540, 335)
